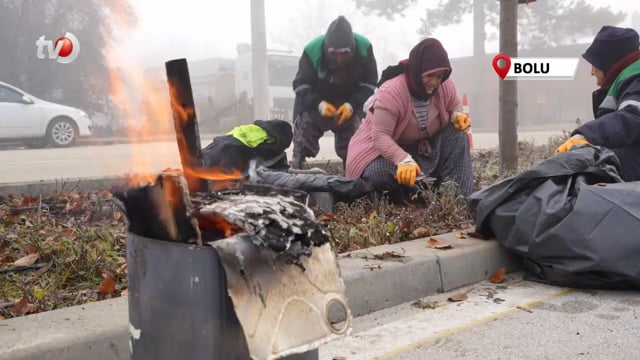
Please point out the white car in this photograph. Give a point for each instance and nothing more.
(38, 123)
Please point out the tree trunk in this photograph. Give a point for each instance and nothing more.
(508, 89)
(479, 21)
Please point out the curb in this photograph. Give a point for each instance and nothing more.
(52, 187)
(100, 330)
(110, 140)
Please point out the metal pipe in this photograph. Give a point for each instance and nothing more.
(185, 122)
(259, 61)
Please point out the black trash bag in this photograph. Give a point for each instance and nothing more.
(571, 218)
(229, 153)
(344, 189)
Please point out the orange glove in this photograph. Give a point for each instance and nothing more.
(571, 142)
(461, 121)
(407, 171)
(344, 113)
(326, 109)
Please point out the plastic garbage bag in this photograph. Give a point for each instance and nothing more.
(571, 218)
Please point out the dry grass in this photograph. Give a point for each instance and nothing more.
(64, 245)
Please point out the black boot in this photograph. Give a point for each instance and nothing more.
(297, 162)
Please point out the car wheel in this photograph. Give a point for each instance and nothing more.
(35, 143)
(62, 133)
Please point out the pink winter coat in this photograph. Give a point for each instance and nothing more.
(373, 139)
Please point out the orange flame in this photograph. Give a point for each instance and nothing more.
(184, 113)
(141, 103)
(217, 223)
(214, 174)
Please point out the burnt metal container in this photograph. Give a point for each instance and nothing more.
(179, 307)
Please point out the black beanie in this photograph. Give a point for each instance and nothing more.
(611, 45)
(339, 34)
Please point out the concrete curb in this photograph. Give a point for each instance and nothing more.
(110, 140)
(100, 330)
(51, 187)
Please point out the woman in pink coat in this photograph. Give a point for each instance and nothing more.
(414, 125)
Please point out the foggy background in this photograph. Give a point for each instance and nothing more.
(119, 75)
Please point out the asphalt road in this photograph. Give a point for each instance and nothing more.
(116, 160)
(515, 320)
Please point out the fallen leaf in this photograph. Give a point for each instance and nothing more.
(31, 249)
(107, 286)
(461, 296)
(491, 293)
(26, 260)
(69, 231)
(476, 235)
(6, 259)
(124, 293)
(2, 317)
(405, 225)
(327, 217)
(372, 267)
(388, 255)
(436, 244)
(21, 307)
(122, 269)
(117, 216)
(420, 232)
(498, 276)
(422, 304)
(524, 309)
(461, 235)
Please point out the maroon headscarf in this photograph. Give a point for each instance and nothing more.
(427, 55)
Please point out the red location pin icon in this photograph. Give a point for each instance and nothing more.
(502, 71)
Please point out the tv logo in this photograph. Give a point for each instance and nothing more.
(65, 49)
(534, 68)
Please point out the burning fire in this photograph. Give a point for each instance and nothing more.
(217, 223)
(145, 105)
(216, 174)
(182, 112)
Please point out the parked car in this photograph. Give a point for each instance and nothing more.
(38, 123)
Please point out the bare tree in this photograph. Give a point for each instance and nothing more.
(310, 19)
(543, 23)
(83, 83)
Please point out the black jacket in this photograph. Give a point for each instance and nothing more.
(619, 128)
(354, 82)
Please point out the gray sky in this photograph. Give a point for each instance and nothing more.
(198, 29)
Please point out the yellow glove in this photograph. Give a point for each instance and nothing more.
(326, 109)
(571, 142)
(407, 171)
(344, 113)
(461, 121)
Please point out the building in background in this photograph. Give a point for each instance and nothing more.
(212, 84)
(283, 65)
(544, 104)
